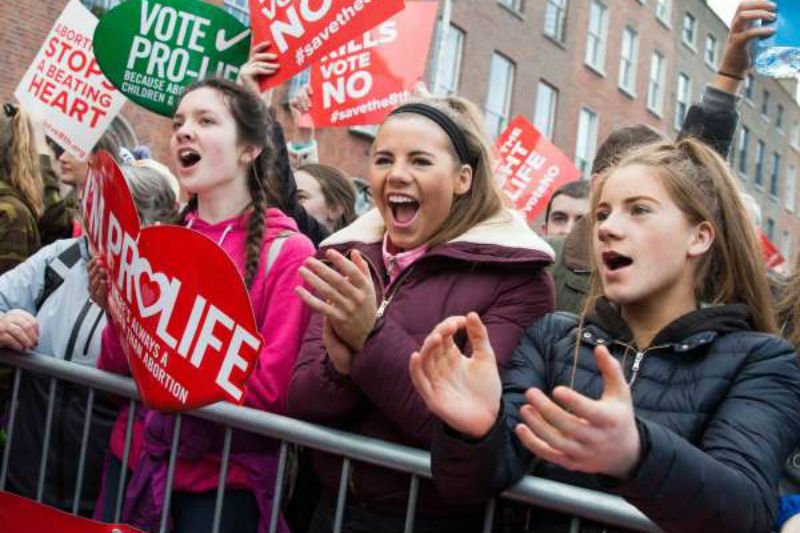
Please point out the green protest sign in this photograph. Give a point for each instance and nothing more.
(152, 49)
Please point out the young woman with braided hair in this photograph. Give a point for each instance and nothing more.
(223, 158)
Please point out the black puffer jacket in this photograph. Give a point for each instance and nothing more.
(717, 406)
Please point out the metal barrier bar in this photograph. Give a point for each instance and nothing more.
(278, 492)
(597, 506)
(341, 499)
(411, 510)
(223, 476)
(126, 451)
(87, 420)
(173, 458)
(10, 433)
(488, 516)
(48, 427)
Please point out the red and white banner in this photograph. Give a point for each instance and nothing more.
(772, 257)
(176, 299)
(65, 87)
(362, 81)
(303, 31)
(530, 168)
(21, 515)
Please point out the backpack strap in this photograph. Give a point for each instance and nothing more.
(275, 249)
(57, 271)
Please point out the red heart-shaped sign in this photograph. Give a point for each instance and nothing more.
(179, 304)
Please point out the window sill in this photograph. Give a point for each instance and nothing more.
(513, 11)
(765, 119)
(366, 132)
(627, 92)
(690, 46)
(711, 66)
(742, 175)
(664, 22)
(552, 39)
(594, 69)
(658, 114)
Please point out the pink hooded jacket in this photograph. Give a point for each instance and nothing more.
(282, 318)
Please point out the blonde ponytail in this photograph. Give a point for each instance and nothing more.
(19, 162)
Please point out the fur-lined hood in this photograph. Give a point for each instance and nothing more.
(504, 238)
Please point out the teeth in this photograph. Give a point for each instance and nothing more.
(397, 199)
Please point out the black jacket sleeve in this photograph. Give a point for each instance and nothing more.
(729, 481)
(713, 120)
(469, 472)
(307, 224)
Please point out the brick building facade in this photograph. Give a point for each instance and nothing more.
(577, 68)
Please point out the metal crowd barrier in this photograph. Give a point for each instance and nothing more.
(575, 501)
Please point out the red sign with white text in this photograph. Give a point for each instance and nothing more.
(177, 301)
(363, 80)
(772, 257)
(530, 168)
(65, 87)
(303, 31)
(21, 515)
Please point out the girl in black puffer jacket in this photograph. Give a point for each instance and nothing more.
(670, 391)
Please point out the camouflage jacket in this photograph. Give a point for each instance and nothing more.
(56, 221)
(19, 235)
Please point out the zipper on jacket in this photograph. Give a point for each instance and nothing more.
(386, 297)
(638, 358)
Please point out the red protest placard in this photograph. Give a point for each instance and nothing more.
(21, 515)
(189, 333)
(362, 81)
(772, 257)
(529, 167)
(303, 31)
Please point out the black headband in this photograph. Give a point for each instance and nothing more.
(446, 123)
(10, 110)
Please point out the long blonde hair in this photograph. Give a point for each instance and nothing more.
(19, 163)
(701, 184)
(483, 200)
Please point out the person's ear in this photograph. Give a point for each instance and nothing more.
(701, 239)
(463, 180)
(249, 154)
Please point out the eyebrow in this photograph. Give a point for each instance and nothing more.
(413, 153)
(634, 199)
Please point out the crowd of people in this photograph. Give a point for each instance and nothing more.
(635, 346)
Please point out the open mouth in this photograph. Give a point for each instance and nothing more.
(404, 208)
(615, 261)
(188, 158)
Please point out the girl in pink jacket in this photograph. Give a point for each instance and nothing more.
(223, 157)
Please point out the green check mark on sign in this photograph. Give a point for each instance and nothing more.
(152, 49)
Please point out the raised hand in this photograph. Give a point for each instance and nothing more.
(345, 295)
(464, 392)
(19, 330)
(736, 56)
(578, 433)
(261, 63)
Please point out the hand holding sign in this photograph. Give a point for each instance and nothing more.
(189, 333)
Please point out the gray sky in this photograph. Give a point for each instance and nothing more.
(724, 8)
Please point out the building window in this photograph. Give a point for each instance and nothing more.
(516, 5)
(498, 98)
(779, 118)
(795, 140)
(587, 140)
(596, 40)
(449, 70)
(628, 60)
(759, 163)
(786, 245)
(239, 9)
(765, 105)
(749, 81)
(663, 8)
(682, 99)
(655, 85)
(790, 188)
(546, 107)
(770, 230)
(689, 29)
(555, 19)
(776, 174)
(711, 51)
(744, 143)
